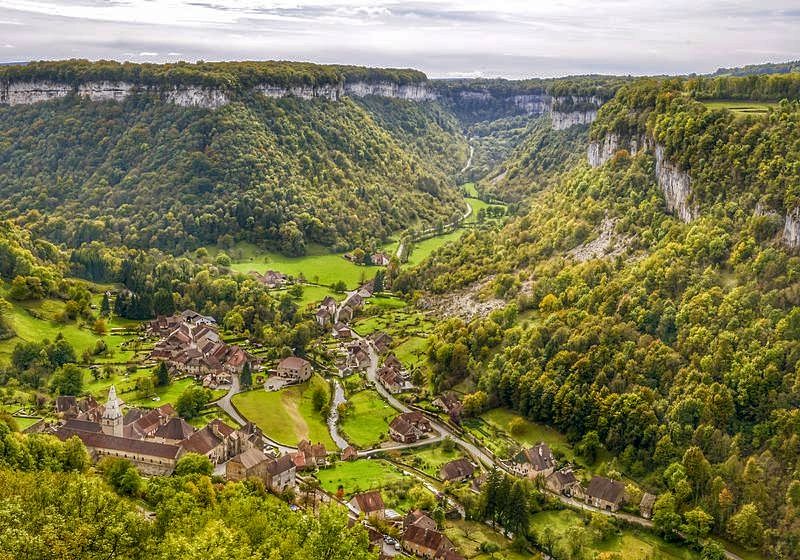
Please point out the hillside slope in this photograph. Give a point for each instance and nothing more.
(146, 171)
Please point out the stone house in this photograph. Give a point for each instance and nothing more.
(604, 493)
(429, 543)
(370, 504)
(247, 464)
(419, 518)
(533, 462)
(294, 368)
(564, 482)
(409, 427)
(459, 469)
(281, 473)
(646, 505)
(217, 441)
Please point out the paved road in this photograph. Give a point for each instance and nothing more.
(225, 404)
(469, 159)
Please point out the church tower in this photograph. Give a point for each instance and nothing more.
(112, 416)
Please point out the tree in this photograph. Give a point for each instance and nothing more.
(105, 306)
(192, 401)
(474, 403)
(194, 463)
(589, 446)
(67, 380)
(665, 519)
(121, 475)
(712, 550)
(380, 276)
(746, 528)
(162, 375)
(319, 399)
(339, 287)
(696, 525)
(246, 377)
(516, 426)
(100, 327)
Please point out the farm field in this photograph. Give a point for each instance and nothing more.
(287, 416)
(423, 249)
(635, 545)
(358, 476)
(366, 422)
(740, 107)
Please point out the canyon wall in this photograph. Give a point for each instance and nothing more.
(791, 229)
(24, 93)
(674, 183)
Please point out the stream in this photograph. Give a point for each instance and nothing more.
(333, 417)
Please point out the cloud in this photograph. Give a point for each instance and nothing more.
(514, 38)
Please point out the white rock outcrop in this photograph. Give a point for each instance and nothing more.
(791, 229)
(676, 186)
(105, 91)
(600, 152)
(23, 93)
(563, 121)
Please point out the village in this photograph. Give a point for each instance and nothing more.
(192, 346)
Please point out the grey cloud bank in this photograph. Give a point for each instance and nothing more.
(443, 38)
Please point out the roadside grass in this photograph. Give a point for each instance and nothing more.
(287, 416)
(359, 476)
(366, 422)
(632, 544)
(469, 535)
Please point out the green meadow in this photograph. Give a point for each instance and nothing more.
(366, 422)
(286, 416)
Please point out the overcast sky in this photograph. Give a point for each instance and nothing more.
(511, 38)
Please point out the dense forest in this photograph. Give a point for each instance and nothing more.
(229, 76)
(280, 173)
(679, 352)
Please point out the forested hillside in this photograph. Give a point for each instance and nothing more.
(277, 172)
(674, 345)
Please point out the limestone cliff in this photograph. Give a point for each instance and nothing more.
(563, 121)
(791, 229)
(600, 152)
(22, 93)
(673, 181)
(676, 186)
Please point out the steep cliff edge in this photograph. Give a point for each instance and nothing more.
(791, 229)
(29, 92)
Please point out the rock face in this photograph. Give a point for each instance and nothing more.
(791, 229)
(676, 186)
(23, 93)
(600, 152)
(20, 93)
(563, 121)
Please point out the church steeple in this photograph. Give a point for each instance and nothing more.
(112, 415)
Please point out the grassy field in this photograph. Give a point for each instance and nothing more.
(395, 318)
(469, 535)
(531, 433)
(430, 459)
(367, 420)
(423, 249)
(24, 423)
(358, 476)
(741, 108)
(470, 190)
(631, 544)
(34, 321)
(411, 351)
(287, 416)
(318, 265)
(123, 382)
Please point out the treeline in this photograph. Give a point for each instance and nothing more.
(281, 173)
(230, 76)
(766, 68)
